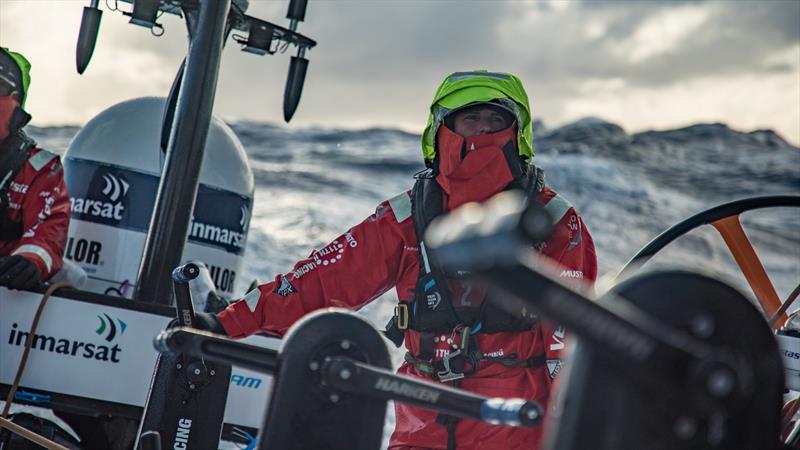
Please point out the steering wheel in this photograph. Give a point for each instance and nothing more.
(725, 218)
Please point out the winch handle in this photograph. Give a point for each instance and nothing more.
(184, 307)
(356, 377)
(213, 347)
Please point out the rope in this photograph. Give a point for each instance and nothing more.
(4, 422)
(789, 424)
(785, 306)
(30, 435)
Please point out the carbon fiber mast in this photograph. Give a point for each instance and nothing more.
(187, 395)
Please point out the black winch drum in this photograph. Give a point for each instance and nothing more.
(601, 409)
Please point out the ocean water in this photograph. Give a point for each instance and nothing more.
(313, 184)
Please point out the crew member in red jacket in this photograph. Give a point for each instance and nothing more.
(477, 143)
(34, 204)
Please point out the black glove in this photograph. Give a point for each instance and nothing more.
(208, 322)
(215, 303)
(17, 272)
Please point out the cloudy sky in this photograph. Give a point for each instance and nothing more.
(641, 64)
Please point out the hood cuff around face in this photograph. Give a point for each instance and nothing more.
(461, 88)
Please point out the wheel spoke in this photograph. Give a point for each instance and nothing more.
(746, 258)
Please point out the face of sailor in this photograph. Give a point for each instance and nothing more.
(10, 83)
(8, 104)
(480, 120)
(10, 94)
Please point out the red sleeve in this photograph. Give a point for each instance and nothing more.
(45, 215)
(354, 269)
(572, 247)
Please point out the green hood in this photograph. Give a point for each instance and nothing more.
(25, 69)
(463, 88)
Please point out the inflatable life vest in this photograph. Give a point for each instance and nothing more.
(432, 310)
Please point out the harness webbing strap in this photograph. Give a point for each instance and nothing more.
(424, 254)
(515, 164)
(432, 368)
(431, 310)
(426, 345)
(14, 152)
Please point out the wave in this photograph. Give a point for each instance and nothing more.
(627, 187)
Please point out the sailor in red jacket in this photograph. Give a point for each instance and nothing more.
(477, 143)
(34, 204)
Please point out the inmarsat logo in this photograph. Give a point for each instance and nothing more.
(70, 347)
(108, 328)
(213, 233)
(245, 217)
(115, 187)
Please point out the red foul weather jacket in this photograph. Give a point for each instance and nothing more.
(38, 198)
(382, 252)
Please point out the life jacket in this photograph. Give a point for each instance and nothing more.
(15, 150)
(432, 310)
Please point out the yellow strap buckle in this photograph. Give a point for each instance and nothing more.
(401, 316)
(465, 339)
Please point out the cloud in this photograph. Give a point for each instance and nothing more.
(379, 62)
(745, 102)
(122, 67)
(663, 33)
(655, 43)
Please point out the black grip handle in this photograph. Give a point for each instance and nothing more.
(185, 273)
(294, 86)
(297, 10)
(202, 344)
(360, 378)
(87, 37)
(184, 307)
(512, 412)
(150, 440)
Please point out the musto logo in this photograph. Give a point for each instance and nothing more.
(115, 188)
(109, 331)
